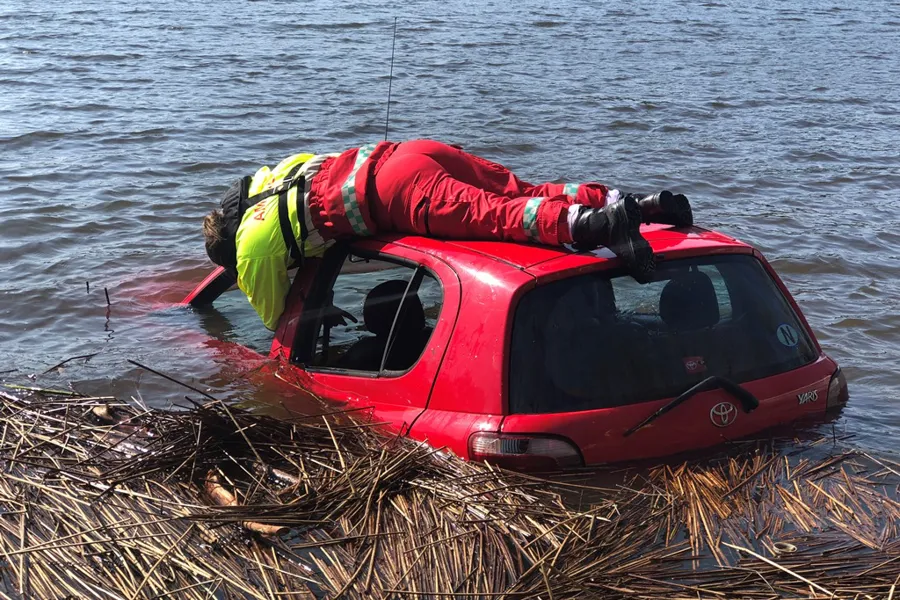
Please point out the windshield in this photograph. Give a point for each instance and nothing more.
(603, 339)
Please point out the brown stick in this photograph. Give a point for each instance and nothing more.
(223, 497)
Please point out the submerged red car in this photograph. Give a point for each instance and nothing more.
(539, 358)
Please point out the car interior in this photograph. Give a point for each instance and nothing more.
(375, 316)
(389, 308)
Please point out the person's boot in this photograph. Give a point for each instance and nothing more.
(665, 207)
(616, 226)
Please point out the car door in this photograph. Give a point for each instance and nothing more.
(369, 327)
(599, 359)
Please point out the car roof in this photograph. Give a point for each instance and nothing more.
(662, 238)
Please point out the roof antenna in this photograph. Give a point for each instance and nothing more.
(387, 119)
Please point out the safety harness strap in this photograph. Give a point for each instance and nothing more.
(284, 222)
(298, 184)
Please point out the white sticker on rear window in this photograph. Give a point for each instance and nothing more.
(787, 335)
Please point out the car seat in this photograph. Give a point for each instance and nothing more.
(689, 307)
(410, 332)
(576, 337)
(689, 302)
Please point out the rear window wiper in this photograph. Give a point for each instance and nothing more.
(748, 400)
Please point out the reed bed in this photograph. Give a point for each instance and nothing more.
(105, 499)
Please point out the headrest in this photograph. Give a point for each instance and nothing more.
(689, 302)
(381, 306)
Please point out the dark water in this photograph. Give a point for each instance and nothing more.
(120, 122)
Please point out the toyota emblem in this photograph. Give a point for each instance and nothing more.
(723, 414)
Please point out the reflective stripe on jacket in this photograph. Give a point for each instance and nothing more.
(338, 198)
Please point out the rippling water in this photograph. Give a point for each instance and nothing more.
(121, 122)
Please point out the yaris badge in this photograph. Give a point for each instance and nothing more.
(723, 414)
(807, 397)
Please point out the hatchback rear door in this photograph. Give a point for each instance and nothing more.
(594, 355)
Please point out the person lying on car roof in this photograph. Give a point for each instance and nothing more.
(268, 222)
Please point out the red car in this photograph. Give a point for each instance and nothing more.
(538, 358)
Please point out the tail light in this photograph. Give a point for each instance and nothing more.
(837, 391)
(524, 452)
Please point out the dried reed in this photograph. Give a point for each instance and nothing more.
(106, 500)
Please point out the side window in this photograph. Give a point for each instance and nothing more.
(379, 313)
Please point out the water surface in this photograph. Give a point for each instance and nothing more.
(120, 123)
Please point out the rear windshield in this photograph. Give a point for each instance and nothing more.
(603, 340)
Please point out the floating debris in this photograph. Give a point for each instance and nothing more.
(101, 499)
